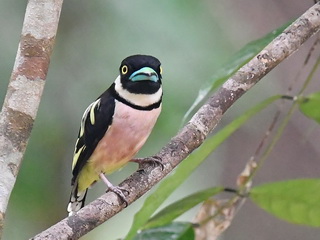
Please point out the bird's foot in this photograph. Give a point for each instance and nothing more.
(120, 192)
(116, 189)
(155, 161)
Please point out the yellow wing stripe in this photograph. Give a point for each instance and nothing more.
(83, 120)
(92, 117)
(90, 109)
(76, 156)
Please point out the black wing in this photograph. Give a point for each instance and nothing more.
(95, 122)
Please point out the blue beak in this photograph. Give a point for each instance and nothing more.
(144, 74)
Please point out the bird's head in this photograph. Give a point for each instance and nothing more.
(141, 74)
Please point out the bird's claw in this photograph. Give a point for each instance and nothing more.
(155, 161)
(120, 193)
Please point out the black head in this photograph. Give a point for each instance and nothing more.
(141, 74)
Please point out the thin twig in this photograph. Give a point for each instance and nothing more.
(316, 42)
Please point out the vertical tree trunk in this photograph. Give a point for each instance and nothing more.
(24, 91)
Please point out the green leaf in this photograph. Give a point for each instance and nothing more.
(310, 106)
(182, 172)
(234, 64)
(295, 201)
(173, 231)
(174, 210)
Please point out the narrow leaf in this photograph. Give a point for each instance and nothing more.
(182, 172)
(174, 210)
(295, 201)
(234, 64)
(173, 231)
(310, 106)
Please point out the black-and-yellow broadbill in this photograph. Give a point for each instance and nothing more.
(116, 125)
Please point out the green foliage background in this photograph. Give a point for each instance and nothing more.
(192, 39)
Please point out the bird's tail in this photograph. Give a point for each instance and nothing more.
(77, 199)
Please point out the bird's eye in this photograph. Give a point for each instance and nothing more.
(124, 69)
(160, 70)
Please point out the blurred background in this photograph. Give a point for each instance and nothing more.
(192, 39)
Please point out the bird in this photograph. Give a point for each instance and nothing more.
(115, 126)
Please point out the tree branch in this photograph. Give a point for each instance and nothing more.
(195, 131)
(24, 91)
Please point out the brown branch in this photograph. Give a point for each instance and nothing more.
(194, 133)
(24, 91)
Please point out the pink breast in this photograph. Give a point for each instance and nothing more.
(129, 131)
